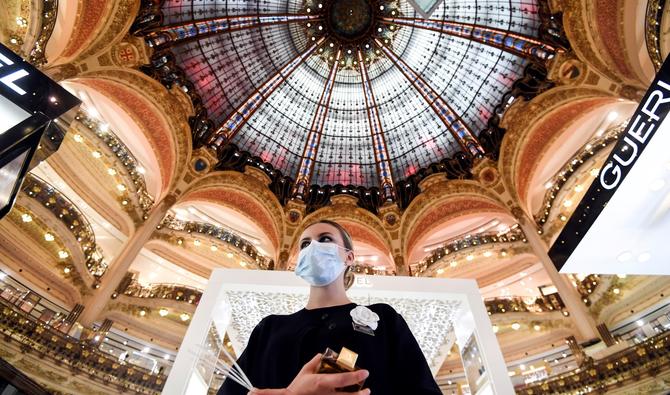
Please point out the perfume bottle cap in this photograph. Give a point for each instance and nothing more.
(347, 358)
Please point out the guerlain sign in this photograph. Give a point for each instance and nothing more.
(618, 226)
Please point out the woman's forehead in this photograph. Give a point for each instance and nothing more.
(319, 228)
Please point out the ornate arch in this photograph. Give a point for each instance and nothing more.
(444, 201)
(96, 26)
(596, 32)
(533, 126)
(361, 224)
(158, 113)
(244, 194)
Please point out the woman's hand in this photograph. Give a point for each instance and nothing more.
(308, 382)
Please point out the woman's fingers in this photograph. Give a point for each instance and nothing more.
(256, 391)
(310, 367)
(338, 380)
(361, 392)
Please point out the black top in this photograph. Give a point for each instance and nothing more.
(281, 344)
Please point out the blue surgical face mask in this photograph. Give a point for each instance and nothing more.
(319, 263)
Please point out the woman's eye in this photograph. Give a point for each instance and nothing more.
(304, 244)
(325, 239)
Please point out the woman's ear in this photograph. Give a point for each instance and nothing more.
(350, 258)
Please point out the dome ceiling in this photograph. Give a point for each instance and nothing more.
(350, 92)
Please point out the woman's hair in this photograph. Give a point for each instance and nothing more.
(348, 244)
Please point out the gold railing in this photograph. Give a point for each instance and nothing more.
(542, 304)
(49, 13)
(70, 215)
(221, 234)
(369, 269)
(587, 287)
(652, 28)
(125, 157)
(176, 292)
(464, 243)
(33, 335)
(571, 166)
(646, 359)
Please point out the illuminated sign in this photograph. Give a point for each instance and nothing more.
(621, 224)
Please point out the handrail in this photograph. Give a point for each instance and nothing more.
(70, 215)
(457, 246)
(49, 15)
(221, 234)
(626, 366)
(573, 164)
(124, 156)
(37, 336)
(541, 304)
(176, 292)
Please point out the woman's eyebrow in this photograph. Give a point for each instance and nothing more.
(320, 234)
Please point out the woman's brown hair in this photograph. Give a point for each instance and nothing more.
(348, 244)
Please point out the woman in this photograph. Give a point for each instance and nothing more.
(282, 354)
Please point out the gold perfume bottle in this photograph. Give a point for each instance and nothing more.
(342, 362)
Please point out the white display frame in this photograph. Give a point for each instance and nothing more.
(214, 309)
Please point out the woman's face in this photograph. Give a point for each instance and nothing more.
(326, 233)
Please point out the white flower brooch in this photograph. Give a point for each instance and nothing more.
(364, 320)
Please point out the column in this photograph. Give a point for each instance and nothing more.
(579, 314)
(120, 265)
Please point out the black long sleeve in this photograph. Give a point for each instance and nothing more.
(280, 345)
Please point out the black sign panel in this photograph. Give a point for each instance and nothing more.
(642, 126)
(30, 89)
(29, 102)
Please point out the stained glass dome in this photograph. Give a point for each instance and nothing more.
(352, 92)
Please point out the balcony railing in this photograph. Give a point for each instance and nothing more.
(39, 325)
(646, 359)
(543, 304)
(176, 292)
(221, 234)
(571, 166)
(124, 156)
(68, 213)
(587, 286)
(458, 246)
(49, 13)
(33, 335)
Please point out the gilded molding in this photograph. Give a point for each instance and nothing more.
(587, 40)
(523, 118)
(165, 107)
(344, 208)
(439, 194)
(253, 189)
(99, 25)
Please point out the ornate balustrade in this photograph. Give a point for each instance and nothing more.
(176, 292)
(653, 32)
(546, 303)
(35, 336)
(571, 166)
(458, 246)
(368, 269)
(68, 213)
(587, 286)
(49, 14)
(221, 234)
(648, 358)
(125, 158)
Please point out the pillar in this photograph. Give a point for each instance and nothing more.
(585, 324)
(120, 265)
